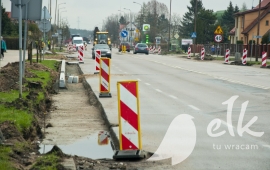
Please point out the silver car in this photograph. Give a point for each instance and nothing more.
(141, 48)
(104, 49)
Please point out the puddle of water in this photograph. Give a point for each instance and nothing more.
(95, 146)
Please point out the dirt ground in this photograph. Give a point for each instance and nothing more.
(71, 114)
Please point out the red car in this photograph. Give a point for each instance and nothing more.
(127, 46)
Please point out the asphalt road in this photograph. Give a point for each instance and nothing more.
(170, 86)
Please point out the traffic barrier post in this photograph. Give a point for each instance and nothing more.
(202, 53)
(129, 120)
(264, 58)
(159, 50)
(103, 138)
(97, 61)
(104, 77)
(244, 57)
(80, 54)
(227, 56)
(189, 53)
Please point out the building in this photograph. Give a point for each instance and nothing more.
(246, 23)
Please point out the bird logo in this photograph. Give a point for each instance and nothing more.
(178, 142)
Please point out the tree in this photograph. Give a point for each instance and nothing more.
(227, 20)
(187, 23)
(8, 28)
(236, 9)
(244, 7)
(122, 20)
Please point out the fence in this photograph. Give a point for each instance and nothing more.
(220, 49)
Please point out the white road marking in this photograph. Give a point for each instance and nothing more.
(173, 97)
(159, 90)
(193, 107)
(139, 79)
(147, 84)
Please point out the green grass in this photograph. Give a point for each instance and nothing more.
(11, 95)
(43, 77)
(52, 64)
(4, 158)
(21, 118)
(47, 162)
(41, 96)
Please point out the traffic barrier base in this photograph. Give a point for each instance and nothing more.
(128, 154)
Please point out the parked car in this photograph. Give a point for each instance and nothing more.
(126, 44)
(141, 48)
(104, 48)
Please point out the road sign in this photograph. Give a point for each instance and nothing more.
(44, 25)
(218, 38)
(193, 35)
(146, 27)
(218, 30)
(34, 9)
(124, 33)
(257, 36)
(176, 36)
(47, 14)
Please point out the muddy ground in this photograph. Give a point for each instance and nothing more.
(71, 114)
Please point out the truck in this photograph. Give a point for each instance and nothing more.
(101, 37)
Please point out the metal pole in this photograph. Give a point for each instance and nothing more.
(44, 27)
(20, 47)
(251, 47)
(25, 37)
(55, 13)
(0, 30)
(169, 44)
(195, 17)
(258, 28)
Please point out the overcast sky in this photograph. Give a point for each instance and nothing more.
(91, 13)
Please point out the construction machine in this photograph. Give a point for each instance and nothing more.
(102, 38)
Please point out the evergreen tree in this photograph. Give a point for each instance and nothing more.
(187, 23)
(123, 20)
(236, 9)
(244, 7)
(228, 17)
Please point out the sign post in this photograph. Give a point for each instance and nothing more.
(218, 36)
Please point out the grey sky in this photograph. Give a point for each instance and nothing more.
(91, 13)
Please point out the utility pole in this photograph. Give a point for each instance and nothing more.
(169, 41)
(55, 12)
(195, 18)
(258, 28)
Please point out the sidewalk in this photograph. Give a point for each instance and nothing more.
(12, 56)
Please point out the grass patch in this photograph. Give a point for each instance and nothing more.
(21, 118)
(43, 77)
(41, 96)
(48, 162)
(11, 95)
(52, 64)
(4, 158)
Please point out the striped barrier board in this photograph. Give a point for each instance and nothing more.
(97, 61)
(227, 55)
(202, 53)
(104, 77)
(264, 58)
(244, 57)
(80, 54)
(129, 121)
(103, 138)
(189, 53)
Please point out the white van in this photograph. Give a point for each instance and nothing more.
(78, 41)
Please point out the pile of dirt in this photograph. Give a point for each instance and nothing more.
(25, 145)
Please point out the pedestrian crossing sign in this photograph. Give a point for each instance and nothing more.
(218, 30)
(193, 35)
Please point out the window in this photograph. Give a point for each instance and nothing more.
(266, 22)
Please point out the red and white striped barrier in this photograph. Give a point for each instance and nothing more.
(150, 48)
(202, 53)
(129, 115)
(74, 47)
(264, 58)
(80, 53)
(159, 50)
(227, 56)
(104, 77)
(153, 49)
(103, 138)
(97, 61)
(244, 57)
(189, 53)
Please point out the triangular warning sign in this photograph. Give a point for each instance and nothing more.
(218, 30)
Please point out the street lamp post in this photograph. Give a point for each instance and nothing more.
(169, 43)
(58, 12)
(140, 20)
(130, 19)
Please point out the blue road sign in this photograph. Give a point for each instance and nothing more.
(124, 33)
(193, 35)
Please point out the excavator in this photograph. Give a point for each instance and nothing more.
(101, 37)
